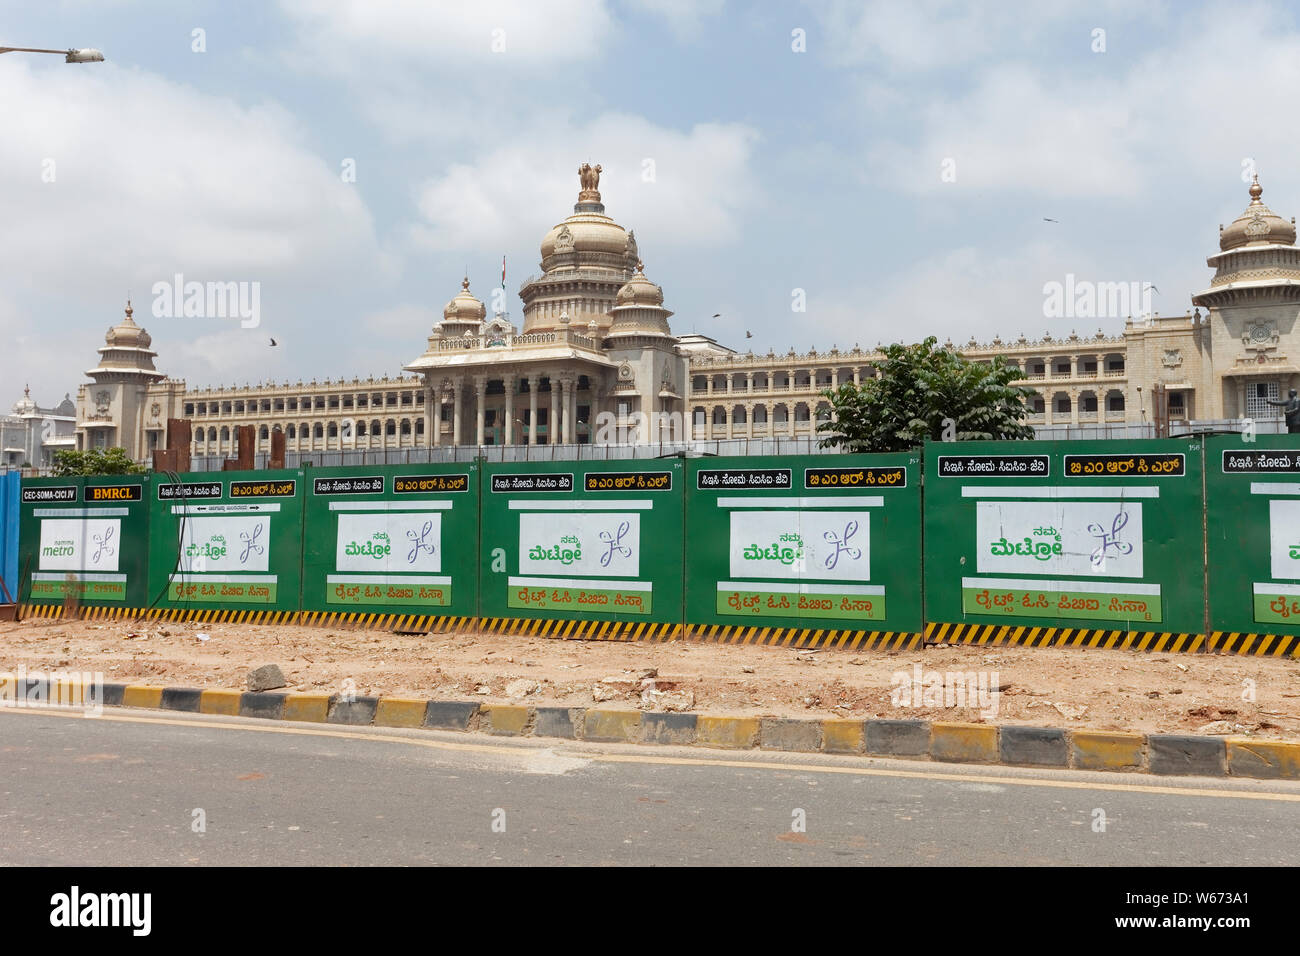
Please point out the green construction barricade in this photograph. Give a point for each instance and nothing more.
(230, 541)
(1078, 542)
(1253, 533)
(84, 537)
(397, 540)
(591, 542)
(827, 544)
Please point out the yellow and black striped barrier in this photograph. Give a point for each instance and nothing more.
(978, 635)
(805, 638)
(1256, 645)
(582, 630)
(1005, 635)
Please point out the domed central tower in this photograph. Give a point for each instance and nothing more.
(586, 259)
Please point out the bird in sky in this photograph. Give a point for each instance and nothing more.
(273, 342)
(1057, 221)
(749, 334)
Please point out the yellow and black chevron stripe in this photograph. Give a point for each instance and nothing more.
(1257, 645)
(582, 630)
(805, 637)
(391, 622)
(385, 622)
(1006, 635)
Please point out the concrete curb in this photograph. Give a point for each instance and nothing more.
(1013, 746)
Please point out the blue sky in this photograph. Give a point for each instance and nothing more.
(774, 170)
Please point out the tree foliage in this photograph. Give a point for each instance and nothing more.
(919, 387)
(95, 461)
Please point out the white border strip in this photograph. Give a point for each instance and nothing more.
(829, 501)
(801, 587)
(600, 584)
(89, 578)
(1089, 587)
(190, 578)
(422, 505)
(1265, 587)
(80, 512)
(191, 510)
(1061, 491)
(590, 504)
(1274, 488)
(442, 581)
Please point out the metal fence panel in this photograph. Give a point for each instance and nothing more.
(1088, 535)
(231, 541)
(392, 539)
(581, 540)
(1253, 533)
(10, 482)
(85, 537)
(785, 541)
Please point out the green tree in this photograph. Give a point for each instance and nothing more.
(919, 387)
(96, 461)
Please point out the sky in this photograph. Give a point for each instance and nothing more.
(890, 166)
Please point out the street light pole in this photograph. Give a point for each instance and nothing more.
(88, 55)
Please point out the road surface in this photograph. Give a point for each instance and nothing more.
(133, 787)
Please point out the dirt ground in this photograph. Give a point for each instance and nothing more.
(1102, 690)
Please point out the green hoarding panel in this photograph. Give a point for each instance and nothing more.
(1253, 527)
(85, 536)
(229, 540)
(1094, 535)
(392, 540)
(829, 542)
(579, 540)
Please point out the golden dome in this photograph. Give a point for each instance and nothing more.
(640, 309)
(126, 334)
(1258, 225)
(585, 232)
(640, 291)
(465, 307)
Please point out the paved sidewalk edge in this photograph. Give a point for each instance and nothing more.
(948, 742)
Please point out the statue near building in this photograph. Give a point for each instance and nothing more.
(1291, 409)
(589, 179)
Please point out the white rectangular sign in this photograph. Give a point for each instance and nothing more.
(226, 543)
(1059, 538)
(390, 541)
(1284, 539)
(590, 544)
(80, 544)
(807, 545)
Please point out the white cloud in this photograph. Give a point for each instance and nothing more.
(149, 178)
(702, 184)
(357, 35)
(908, 36)
(967, 292)
(685, 18)
(1117, 126)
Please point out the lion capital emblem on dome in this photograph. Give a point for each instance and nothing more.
(589, 179)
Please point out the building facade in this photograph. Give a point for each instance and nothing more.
(30, 435)
(595, 361)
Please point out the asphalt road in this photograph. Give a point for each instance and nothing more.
(123, 789)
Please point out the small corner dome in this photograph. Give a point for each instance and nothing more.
(1257, 226)
(639, 290)
(126, 334)
(465, 307)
